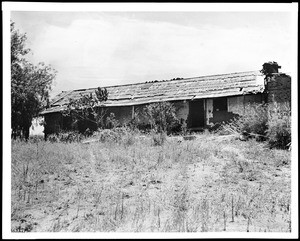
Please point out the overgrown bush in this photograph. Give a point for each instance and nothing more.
(135, 123)
(111, 121)
(254, 122)
(279, 126)
(161, 116)
(271, 122)
(109, 135)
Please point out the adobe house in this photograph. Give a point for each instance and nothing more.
(200, 101)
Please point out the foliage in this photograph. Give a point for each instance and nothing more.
(69, 136)
(108, 135)
(279, 126)
(254, 121)
(271, 122)
(162, 116)
(135, 122)
(86, 111)
(111, 121)
(120, 135)
(30, 85)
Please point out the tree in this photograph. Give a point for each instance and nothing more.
(30, 85)
(86, 111)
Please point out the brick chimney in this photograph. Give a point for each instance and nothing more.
(277, 85)
(270, 68)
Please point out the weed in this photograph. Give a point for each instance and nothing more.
(159, 138)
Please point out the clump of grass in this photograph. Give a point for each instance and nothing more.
(159, 138)
(119, 135)
(109, 135)
(67, 137)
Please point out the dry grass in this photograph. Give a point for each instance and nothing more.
(212, 183)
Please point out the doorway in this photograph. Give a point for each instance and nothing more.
(196, 114)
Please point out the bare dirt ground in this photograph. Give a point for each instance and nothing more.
(210, 184)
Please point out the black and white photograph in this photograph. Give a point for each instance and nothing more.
(150, 120)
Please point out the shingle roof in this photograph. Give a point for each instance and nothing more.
(178, 89)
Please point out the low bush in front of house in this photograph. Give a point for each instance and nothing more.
(162, 117)
(69, 136)
(120, 135)
(108, 135)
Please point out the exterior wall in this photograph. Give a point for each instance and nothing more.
(279, 88)
(122, 113)
(235, 107)
(182, 110)
(236, 104)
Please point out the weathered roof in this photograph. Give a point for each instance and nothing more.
(177, 89)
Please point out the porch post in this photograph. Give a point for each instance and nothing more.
(132, 112)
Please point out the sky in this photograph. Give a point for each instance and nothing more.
(91, 49)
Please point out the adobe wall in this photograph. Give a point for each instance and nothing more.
(182, 110)
(122, 113)
(235, 106)
(279, 88)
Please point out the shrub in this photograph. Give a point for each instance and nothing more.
(111, 121)
(279, 126)
(70, 136)
(109, 135)
(162, 116)
(121, 135)
(135, 122)
(255, 120)
(271, 122)
(253, 123)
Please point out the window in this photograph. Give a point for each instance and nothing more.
(220, 104)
